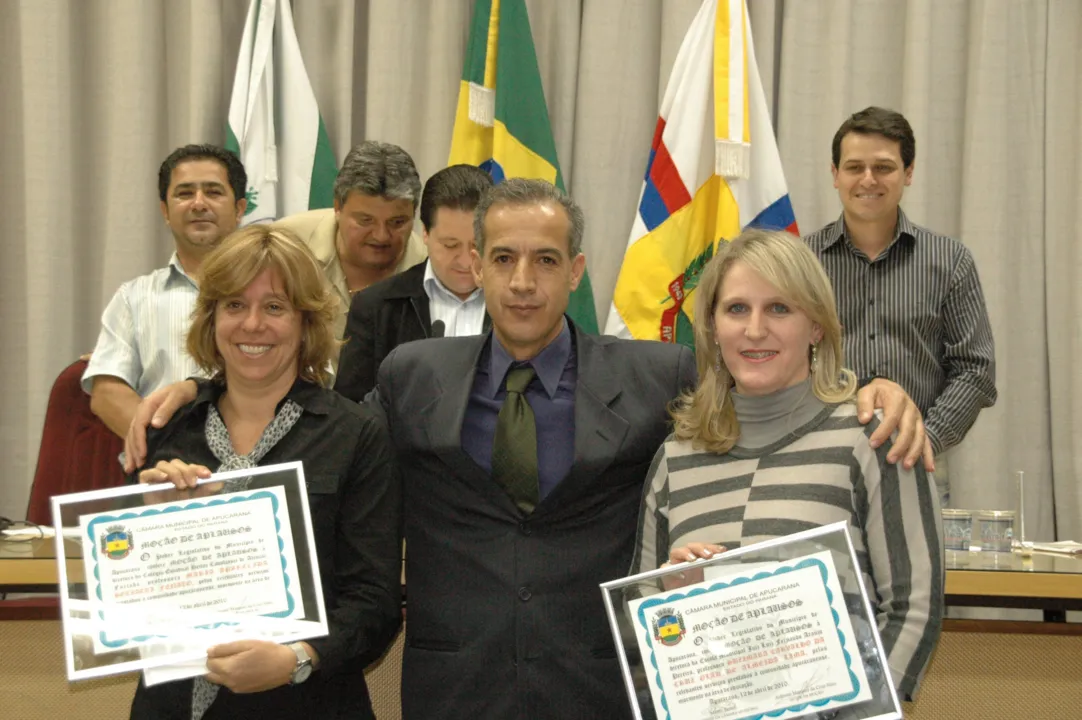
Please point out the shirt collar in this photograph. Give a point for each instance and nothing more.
(176, 271)
(323, 240)
(836, 231)
(549, 364)
(904, 228)
(830, 235)
(433, 286)
(308, 395)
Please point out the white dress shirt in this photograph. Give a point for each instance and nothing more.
(144, 332)
(459, 317)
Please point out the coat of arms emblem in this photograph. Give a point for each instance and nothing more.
(117, 542)
(669, 626)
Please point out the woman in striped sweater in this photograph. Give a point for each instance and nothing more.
(769, 444)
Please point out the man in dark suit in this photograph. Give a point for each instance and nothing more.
(440, 292)
(505, 615)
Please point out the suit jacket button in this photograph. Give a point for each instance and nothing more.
(524, 593)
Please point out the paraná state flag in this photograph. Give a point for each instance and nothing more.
(274, 124)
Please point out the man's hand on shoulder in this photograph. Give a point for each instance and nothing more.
(155, 410)
(899, 413)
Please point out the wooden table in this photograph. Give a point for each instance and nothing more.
(30, 631)
(973, 579)
(982, 668)
(30, 566)
(1051, 583)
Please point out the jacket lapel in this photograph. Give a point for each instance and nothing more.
(599, 430)
(324, 246)
(444, 416)
(421, 310)
(419, 300)
(410, 286)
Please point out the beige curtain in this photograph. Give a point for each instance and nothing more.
(992, 91)
(94, 93)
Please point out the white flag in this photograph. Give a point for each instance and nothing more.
(274, 124)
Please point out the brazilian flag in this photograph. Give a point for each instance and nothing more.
(502, 122)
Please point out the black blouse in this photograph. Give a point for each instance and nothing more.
(355, 502)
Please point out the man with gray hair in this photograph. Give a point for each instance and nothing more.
(368, 235)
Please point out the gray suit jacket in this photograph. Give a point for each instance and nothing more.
(505, 618)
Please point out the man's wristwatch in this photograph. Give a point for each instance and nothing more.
(304, 664)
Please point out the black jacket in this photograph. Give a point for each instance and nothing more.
(354, 499)
(505, 616)
(382, 317)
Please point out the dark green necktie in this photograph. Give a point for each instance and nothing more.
(514, 447)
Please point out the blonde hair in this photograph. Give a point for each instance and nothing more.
(240, 258)
(706, 415)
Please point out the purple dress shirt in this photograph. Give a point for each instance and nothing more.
(551, 395)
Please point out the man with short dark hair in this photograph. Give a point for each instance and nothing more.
(141, 345)
(441, 291)
(368, 235)
(909, 298)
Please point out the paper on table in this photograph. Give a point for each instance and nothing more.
(1068, 547)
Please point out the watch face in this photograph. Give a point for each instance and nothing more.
(301, 674)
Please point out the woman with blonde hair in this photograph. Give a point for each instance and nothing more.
(262, 329)
(769, 443)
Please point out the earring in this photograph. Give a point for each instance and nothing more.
(717, 360)
(814, 358)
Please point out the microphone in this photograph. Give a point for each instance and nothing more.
(437, 329)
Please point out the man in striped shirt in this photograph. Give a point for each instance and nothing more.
(909, 299)
(141, 346)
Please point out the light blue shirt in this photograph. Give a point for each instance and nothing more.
(459, 317)
(144, 332)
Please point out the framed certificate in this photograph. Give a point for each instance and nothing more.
(151, 576)
(780, 629)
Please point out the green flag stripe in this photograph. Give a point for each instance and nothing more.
(581, 306)
(520, 99)
(324, 172)
(474, 68)
(231, 142)
(521, 107)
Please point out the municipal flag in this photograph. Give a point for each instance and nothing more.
(713, 170)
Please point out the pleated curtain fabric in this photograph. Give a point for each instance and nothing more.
(990, 88)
